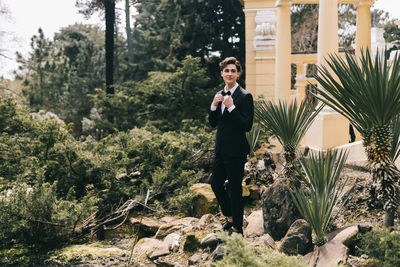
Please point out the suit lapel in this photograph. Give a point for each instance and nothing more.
(236, 93)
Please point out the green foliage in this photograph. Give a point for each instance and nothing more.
(165, 160)
(382, 246)
(164, 100)
(287, 122)
(59, 75)
(36, 216)
(252, 138)
(395, 151)
(238, 252)
(367, 94)
(168, 31)
(40, 149)
(320, 201)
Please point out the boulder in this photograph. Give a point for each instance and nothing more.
(204, 220)
(211, 240)
(158, 251)
(336, 250)
(205, 200)
(218, 253)
(195, 259)
(172, 241)
(264, 240)
(329, 255)
(183, 225)
(255, 225)
(146, 245)
(298, 239)
(365, 227)
(346, 236)
(148, 226)
(278, 209)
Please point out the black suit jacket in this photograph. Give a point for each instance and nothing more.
(232, 126)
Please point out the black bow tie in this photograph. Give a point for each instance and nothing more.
(226, 93)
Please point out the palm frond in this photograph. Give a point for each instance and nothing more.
(252, 138)
(395, 152)
(320, 175)
(287, 122)
(366, 93)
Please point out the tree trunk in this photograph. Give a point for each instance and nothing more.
(128, 31)
(110, 21)
(389, 218)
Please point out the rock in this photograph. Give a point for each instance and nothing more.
(364, 227)
(196, 258)
(218, 253)
(191, 243)
(264, 240)
(278, 209)
(328, 255)
(211, 240)
(167, 219)
(205, 200)
(164, 263)
(185, 225)
(346, 236)
(255, 225)
(158, 251)
(298, 239)
(172, 241)
(148, 226)
(268, 240)
(204, 220)
(145, 245)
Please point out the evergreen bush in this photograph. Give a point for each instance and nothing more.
(382, 246)
(239, 253)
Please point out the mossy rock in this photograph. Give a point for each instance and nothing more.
(205, 201)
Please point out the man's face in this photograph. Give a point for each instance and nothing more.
(230, 74)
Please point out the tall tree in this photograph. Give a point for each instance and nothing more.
(128, 30)
(167, 31)
(59, 75)
(88, 7)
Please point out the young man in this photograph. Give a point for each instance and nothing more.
(232, 111)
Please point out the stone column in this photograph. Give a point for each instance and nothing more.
(329, 129)
(283, 51)
(328, 40)
(363, 34)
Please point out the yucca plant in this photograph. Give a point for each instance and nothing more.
(367, 92)
(252, 138)
(395, 152)
(319, 203)
(288, 123)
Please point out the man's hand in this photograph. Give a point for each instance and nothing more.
(218, 98)
(228, 102)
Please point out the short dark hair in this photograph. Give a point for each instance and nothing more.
(230, 60)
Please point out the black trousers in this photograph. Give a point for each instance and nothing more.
(230, 198)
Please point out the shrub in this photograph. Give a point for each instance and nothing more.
(163, 100)
(35, 216)
(317, 204)
(382, 246)
(238, 252)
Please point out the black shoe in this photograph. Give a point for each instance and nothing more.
(230, 231)
(226, 226)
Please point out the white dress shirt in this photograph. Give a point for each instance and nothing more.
(213, 108)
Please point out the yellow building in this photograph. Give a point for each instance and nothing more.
(269, 58)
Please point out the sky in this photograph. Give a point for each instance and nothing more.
(26, 16)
